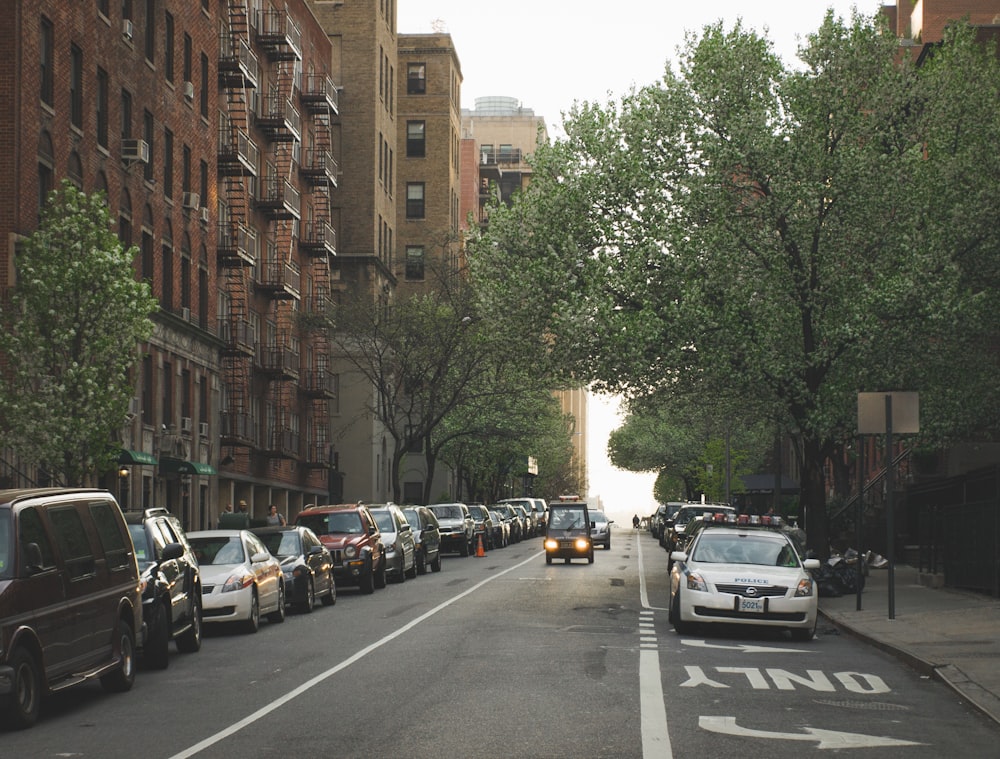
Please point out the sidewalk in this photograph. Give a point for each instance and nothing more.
(952, 635)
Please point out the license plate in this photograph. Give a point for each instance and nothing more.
(755, 605)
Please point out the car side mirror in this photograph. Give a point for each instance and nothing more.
(811, 564)
(668, 522)
(257, 558)
(678, 556)
(33, 558)
(172, 551)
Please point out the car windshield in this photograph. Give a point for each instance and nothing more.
(284, 543)
(413, 517)
(220, 550)
(6, 549)
(339, 521)
(562, 518)
(145, 554)
(384, 521)
(744, 549)
(448, 512)
(598, 516)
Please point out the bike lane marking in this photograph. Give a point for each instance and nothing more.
(652, 709)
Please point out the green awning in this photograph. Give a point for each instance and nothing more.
(125, 456)
(180, 466)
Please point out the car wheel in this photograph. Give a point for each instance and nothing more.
(590, 556)
(25, 691)
(366, 583)
(331, 598)
(309, 604)
(436, 564)
(155, 653)
(380, 577)
(566, 561)
(400, 576)
(680, 627)
(122, 678)
(190, 640)
(421, 562)
(803, 634)
(252, 623)
(463, 548)
(548, 559)
(412, 571)
(278, 615)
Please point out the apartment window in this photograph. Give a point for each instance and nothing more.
(186, 275)
(168, 163)
(204, 86)
(414, 262)
(186, 169)
(126, 114)
(167, 272)
(168, 47)
(147, 135)
(146, 245)
(74, 170)
(104, 8)
(188, 53)
(76, 86)
(414, 200)
(127, 9)
(416, 78)
(150, 30)
(415, 139)
(168, 394)
(203, 183)
(103, 94)
(47, 61)
(46, 168)
(147, 389)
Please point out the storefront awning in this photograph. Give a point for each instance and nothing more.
(170, 465)
(125, 456)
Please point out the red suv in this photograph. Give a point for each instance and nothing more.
(350, 533)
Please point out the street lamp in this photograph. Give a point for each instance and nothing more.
(123, 474)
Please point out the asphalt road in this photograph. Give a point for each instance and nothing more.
(503, 656)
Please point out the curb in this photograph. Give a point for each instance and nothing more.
(975, 695)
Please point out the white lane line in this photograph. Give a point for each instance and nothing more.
(653, 712)
(296, 692)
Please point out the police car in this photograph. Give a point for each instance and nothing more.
(743, 570)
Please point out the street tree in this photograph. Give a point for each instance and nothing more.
(793, 235)
(71, 333)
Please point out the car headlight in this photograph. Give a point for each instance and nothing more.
(581, 544)
(805, 588)
(350, 551)
(696, 582)
(237, 581)
(551, 544)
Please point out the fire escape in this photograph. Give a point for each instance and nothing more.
(238, 248)
(278, 274)
(317, 244)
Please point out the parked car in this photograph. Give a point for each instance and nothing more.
(66, 558)
(240, 578)
(501, 528)
(456, 526)
(665, 511)
(306, 564)
(743, 575)
(351, 534)
(397, 537)
(514, 521)
(426, 536)
(482, 525)
(673, 533)
(171, 579)
(529, 517)
(600, 529)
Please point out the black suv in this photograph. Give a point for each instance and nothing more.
(171, 598)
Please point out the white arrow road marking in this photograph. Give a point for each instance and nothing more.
(745, 649)
(825, 738)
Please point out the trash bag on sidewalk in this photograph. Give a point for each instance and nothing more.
(840, 575)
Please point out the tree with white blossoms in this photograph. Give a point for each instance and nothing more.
(72, 326)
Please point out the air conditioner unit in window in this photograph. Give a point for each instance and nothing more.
(127, 28)
(203, 429)
(204, 215)
(134, 407)
(189, 90)
(135, 150)
(191, 200)
(186, 314)
(185, 424)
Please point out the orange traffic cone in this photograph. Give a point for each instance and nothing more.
(480, 551)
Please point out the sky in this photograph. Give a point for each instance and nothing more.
(550, 54)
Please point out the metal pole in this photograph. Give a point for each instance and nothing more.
(889, 521)
(861, 511)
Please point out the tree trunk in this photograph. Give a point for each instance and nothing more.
(813, 498)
